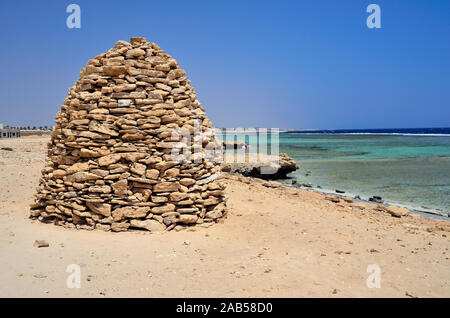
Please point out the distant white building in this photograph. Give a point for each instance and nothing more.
(9, 132)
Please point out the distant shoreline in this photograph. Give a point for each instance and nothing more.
(436, 132)
(439, 131)
(365, 134)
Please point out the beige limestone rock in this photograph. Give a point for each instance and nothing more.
(172, 172)
(109, 159)
(149, 225)
(115, 70)
(120, 226)
(164, 209)
(152, 174)
(59, 173)
(79, 166)
(81, 176)
(188, 219)
(129, 212)
(178, 196)
(187, 181)
(100, 208)
(138, 168)
(166, 187)
(396, 211)
(104, 129)
(120, 187)
(100, 189)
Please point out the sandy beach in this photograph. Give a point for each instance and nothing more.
(274, 242)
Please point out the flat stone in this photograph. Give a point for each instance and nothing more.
(213, 214)
(120, 187)
(123, 110)
(103, 227)
(185, 202)
(109, 159)
(93, 135)
(188, 218)
(131, 137)
(133, 156)
(211, 201)
(171, 219)
(135, 53)
(100, 172)
(211, 178)
(100, 189)
(59, 173)
(178, 196)
(79, 166)
(114, 70)
(81, 176)
(176, 73)
(100, 208)
(104, 129)
(138, 168)
(124, 87)
(120, 227)
(129, 212)
(166, 187)
(142, 180)
(89, 153)
(152, 174)
(187, 210)
(149, 225)
(164, 209)
(172, 172)
(187, 181)
(124, 102)
(161, 166)
(159, 199)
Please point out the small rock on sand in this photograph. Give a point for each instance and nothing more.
(408, 294)
(41, 243)
(393, 210)
(332, 198)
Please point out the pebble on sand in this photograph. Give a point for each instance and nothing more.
(41, 243)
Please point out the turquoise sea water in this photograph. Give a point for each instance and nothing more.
(410, 170)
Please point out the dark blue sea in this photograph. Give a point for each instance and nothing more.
(385, 131)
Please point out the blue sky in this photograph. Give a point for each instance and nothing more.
(303, 64)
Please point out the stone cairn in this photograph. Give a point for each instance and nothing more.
(109, 164)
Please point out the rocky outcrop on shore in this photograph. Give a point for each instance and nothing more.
(265, 168)
(109, 164)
